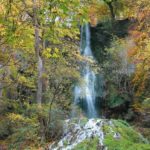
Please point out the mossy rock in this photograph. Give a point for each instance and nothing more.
(117, 135)
(124, 144)
(89, 144)
(129, 139)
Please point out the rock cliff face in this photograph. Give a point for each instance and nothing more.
(98, 134)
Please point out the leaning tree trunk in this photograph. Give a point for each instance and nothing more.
(111, 10)
(39, 81)
(1, 88)
(1, 83)
(37, 51)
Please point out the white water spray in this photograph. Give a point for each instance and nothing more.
(86, 90)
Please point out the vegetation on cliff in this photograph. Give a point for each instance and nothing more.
(40, 63)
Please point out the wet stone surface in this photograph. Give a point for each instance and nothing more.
(76, 132)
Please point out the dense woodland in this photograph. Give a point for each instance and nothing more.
(40, 63)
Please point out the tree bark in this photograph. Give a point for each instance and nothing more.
(1, 84)
(111, 10)
(110, 5)
(37, 51)
(1, 89)
(39, 81)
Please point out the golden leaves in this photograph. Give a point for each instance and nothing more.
(51, 52)
(97, 11)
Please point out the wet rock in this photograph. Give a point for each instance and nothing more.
(117, 136)
(75, 134)
(97, 134)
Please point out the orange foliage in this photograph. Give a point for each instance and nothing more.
(96, 11)
(140, 53)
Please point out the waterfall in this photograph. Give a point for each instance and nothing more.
(86, 89)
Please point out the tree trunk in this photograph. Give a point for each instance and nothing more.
(111, 10)
(39, 80)
(1, 88)
(110, 5)
(37, 51)
(1, 84)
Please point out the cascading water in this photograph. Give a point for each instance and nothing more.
(86, 89)
(81, 130)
